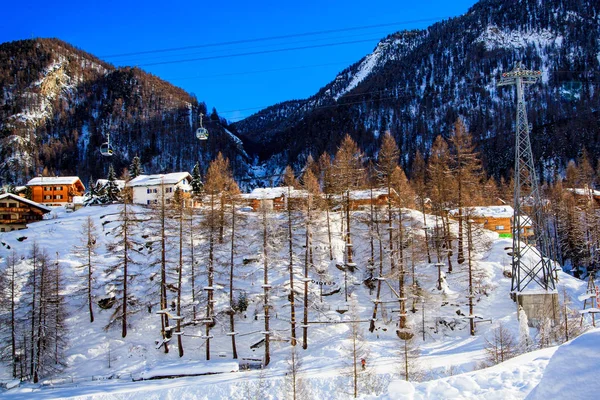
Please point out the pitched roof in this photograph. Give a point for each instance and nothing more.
(24, 200)
(53, 180)
(159, 179)
(267, 193)
(103, 182)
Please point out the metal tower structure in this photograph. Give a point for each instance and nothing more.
(529, 264)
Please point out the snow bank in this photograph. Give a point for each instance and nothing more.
(577, 360)
(190, 369)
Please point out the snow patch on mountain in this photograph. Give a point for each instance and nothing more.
(495, 38)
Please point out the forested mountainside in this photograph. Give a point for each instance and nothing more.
(417, 83)
(58, 104)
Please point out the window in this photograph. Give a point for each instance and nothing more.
(2, 230)
(47, 197)
(155, 191)
(499, 227)
(148, 201)
(3, 205)
(13, 205)
(58, 188)
(47, 188)
(169, 190)
(148, 190)
(58, 196)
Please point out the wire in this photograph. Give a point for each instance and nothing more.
(166, 57)
(251, 53)
(259, 71)
(268, 38)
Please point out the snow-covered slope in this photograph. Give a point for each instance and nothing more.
(101, 364)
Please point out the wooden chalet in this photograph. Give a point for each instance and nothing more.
(55, 191)
(494, 218)
(272, 198)
(16, 212)
(585, 195)
(361, 199)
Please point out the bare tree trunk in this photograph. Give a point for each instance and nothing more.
(329, 229)
(41, 317)
(469, 247)
(401, 272)
(231, 266)
(306, 262)
(291, 272)
(210, 289)
(13, 338)
(379, 278)
(164, 321)
(179, 279)
(266, 286)
(125, 265)
(425, 229)
(34, 252)
(193, 262)
(90, 246)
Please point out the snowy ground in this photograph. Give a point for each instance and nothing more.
(448, 355)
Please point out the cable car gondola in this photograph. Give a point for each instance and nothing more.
(105, 148)
(202, 133)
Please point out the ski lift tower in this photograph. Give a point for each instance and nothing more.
(533, 285)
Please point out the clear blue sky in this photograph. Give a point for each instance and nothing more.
(236, 86)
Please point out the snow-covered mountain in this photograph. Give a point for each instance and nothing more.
(58, 104)
(416, 83)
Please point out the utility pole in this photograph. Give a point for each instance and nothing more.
(528, 263)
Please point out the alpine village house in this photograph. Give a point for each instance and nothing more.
(16, 212)
(55, 191)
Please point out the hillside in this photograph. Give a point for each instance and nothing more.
(98, 361)
(59, 104)
(416, 83)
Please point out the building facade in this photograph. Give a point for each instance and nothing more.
(148, 189)
(55, 191)
(16, 212)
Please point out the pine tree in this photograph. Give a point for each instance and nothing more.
(196, 183)
(135, 169)
(112, 191)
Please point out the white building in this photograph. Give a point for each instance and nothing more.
(147, 188)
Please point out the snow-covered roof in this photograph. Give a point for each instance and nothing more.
(103, 182)
(488, 211)
(24, 200)
(366, 194)
(267, 193)
(584, 191)
(157, 180)
(53, 180)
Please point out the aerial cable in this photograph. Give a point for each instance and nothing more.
(257, 71)
(274, 37)
(251, 53)
(166, 57)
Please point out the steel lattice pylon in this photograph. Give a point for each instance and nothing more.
(527, 268)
